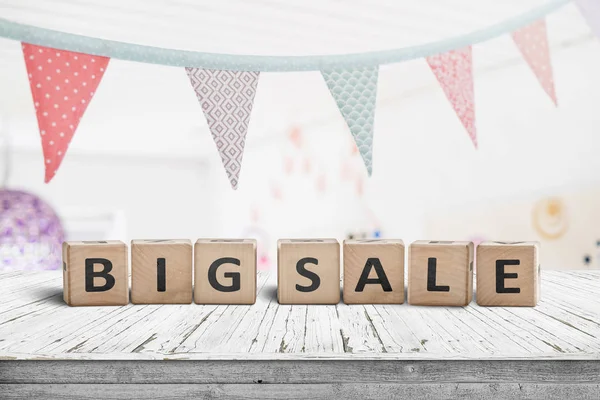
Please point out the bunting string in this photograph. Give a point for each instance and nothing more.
(65, 70)
(181, 58)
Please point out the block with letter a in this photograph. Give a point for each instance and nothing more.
(373, 271)
(95, 273)
(508, 274)
(308, 271)
(440, 273)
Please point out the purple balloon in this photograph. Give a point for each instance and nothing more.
(31, 233)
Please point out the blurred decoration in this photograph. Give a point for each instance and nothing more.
(550, 218)
(321, 183)
(591, 12)
(62, 85)
(288, 165)
(307, 165)
(295, 137)
(254, 231)
(532, 41)
(225, 84)
(276, 191)
(226, 97)
(31, 233)
(454, 72)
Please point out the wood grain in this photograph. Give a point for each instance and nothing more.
(440, 273)
(35, 323)
(76, 255)
(385, 286)
(176, 285)
(227, 274)
(315, 256)
(519, 262)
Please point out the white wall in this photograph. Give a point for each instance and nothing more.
(143, 148)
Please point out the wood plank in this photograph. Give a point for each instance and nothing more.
(300, 372)
(547, 391)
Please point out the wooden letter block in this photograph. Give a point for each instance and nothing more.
(508, 274)
(161, 271)
(225, 271)
(373, 271)
(308, 271)
(95, 273)
(440, 273)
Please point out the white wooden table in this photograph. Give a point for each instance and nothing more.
(270, 351)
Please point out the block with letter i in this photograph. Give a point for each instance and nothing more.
(95, 273)
(440, 273)
(508, 274)
(161, 271)
(308, 271)
(225, 271)
(373, 271)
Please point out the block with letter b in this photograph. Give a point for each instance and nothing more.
(373, 271)
(508, 274)
(95, 273)
(308, 271)
(161, 271)
(440, 273)
(225, 271)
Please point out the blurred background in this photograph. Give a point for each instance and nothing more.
(143, 163)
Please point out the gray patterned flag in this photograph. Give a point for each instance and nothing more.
(355, 92)
(226, 98)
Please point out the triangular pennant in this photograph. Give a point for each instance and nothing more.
(62, 85)
(590, 9)
(532, 41)
(226, 98)
(454, 72)
(355, 92)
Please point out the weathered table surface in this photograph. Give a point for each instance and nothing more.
(556, 343)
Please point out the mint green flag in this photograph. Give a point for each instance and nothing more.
(355, 92)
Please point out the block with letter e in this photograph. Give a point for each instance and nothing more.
(225, 271)
(373, 271)
(161, 271)
(308, 271)
(95, 273)
(508, 274)
(440, 273)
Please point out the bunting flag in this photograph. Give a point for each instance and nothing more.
(62, 85)
(226, 98)
(590, 9)
(532, 41)
(355, 92)
(454, 72)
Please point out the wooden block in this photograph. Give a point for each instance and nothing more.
(161, 271)
(95, 273)
(308, 271)
(508, 274)
(440, 273)
(373, 271)
(225, 271)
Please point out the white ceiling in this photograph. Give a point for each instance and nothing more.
(269, 26)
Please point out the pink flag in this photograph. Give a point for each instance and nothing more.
(532, 41)
(454, 72)
(62, 85)
(590, 9)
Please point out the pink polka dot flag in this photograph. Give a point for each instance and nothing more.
(62, 85)
(532, 41)
(454, 72)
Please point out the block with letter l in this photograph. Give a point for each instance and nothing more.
(508, 274)
(95, 273)
(225, 271)
(440, 273)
